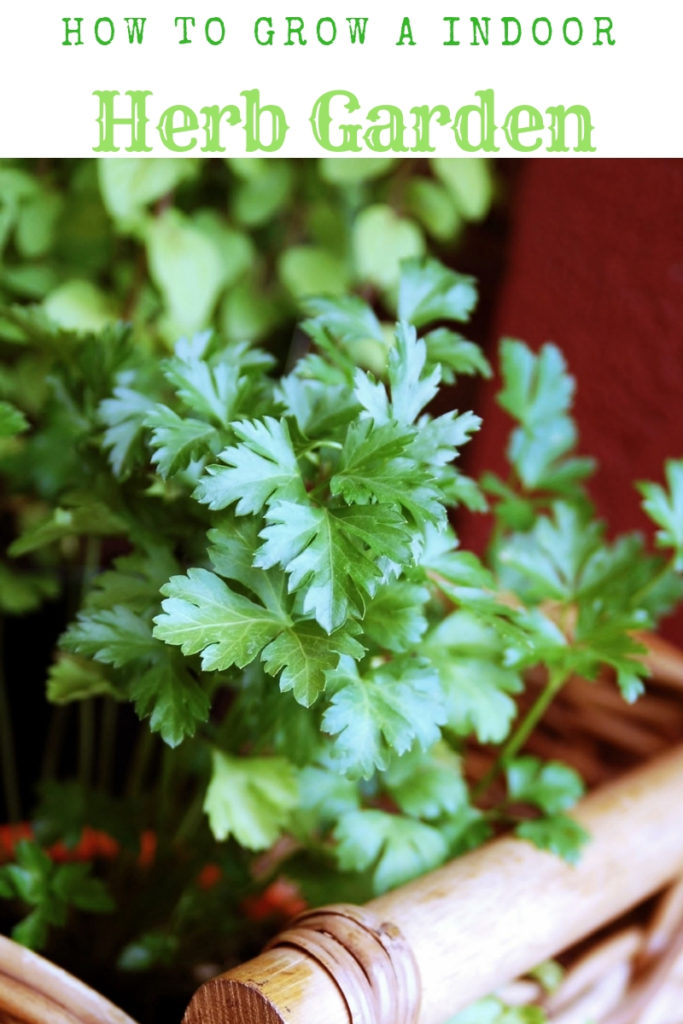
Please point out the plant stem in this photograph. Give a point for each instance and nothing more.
(10, 781)
(191, 819)
(521, 734)
(107, 742)
(139, 761)
(86, 741)
(54, 743)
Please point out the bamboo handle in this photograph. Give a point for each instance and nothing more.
(35, 991)
(472, 925)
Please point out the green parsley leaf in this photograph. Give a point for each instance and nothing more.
(12, 420)
(557, 833)
(429, 291)
(201, 614)
(395, 848)
(550, 786)
(262, 469)
(305, 654)
(391, 708)
(250, 798)
(666, 509)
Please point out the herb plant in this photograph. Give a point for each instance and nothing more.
(263, 564)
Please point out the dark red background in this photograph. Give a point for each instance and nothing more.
(595, 263)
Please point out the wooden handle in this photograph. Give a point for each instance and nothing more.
(479, 921)
(35, 991)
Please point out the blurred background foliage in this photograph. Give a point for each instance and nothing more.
(174, 246)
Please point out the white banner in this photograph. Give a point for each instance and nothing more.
(360, 78)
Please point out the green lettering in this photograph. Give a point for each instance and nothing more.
(451, 41)
(487, 129)
(137, 121)
(68, 31)
(584, 129)
(357, 30)
(514, 127)
(603, 30)
(168, 128)
(393, 127)
(213, 117)
(321, 122)
(252, 123)
(185, 21)
(423, 120)
(406, 33)
(332, 35)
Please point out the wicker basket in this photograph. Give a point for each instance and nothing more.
(417, 955)
(34, 991)
(421, 953)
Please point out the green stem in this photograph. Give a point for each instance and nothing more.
(54, 743)
(139, 761)
(10, 780)
(86, 741)
(107, 743)
(191, 819)
(521, 734)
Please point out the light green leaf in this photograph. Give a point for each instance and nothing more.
(396, 848)
(430, 291)
(201, 614)
(551, 786)
(470, 182)
(380, 240)
(387, 711)
(250, 798)
(263, 468)
(187, 268)
(558, 834)
(305, 654)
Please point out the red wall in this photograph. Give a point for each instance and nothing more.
(596, 264)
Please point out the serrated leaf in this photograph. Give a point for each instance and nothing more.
(250, 798)
(318, 549)
(388, 710)
(304, 655)
(395, 617)
(262, 469)
(427, 786)
(430, 291)
(178, 440)
(208, 387)
(172, 699)
(124, 417)
(665, 508)
(373, 468)
(558, 834)
(113, 636)
(455, 355)
(72, 678)
(411, 387)
(201, 614)
(347, 319)
(396, 848)
(550, 786)
(12, 420)
(476, 685)
(91, 520)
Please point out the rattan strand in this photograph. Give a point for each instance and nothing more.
(634, 974)
(368, 959)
